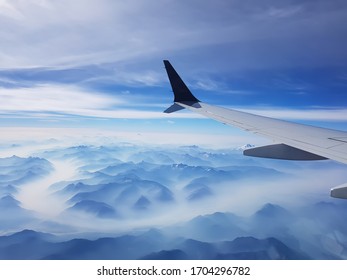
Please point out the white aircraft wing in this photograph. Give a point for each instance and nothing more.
(293, 141)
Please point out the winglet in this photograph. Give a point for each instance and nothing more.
(179, 88)
(173, 108)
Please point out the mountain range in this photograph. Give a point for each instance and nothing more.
(216, 236)
(136, 202)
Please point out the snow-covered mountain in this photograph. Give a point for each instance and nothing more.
(16, 170)
(138, 202)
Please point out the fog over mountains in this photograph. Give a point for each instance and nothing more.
(127, 201)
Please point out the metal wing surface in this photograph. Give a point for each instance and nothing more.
(325, 143)
(293, 141)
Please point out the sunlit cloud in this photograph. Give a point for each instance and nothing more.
(52, 98)
(62, 101)
(48, 101)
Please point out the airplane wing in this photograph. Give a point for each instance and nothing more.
(293, 141)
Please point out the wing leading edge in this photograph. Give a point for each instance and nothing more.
(293, 141)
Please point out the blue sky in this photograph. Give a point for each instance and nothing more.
(98, 64)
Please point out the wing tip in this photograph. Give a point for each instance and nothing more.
(179, 88)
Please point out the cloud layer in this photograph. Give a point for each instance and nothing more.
(64, 59)
(50, 33)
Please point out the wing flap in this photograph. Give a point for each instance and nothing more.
(281, 151)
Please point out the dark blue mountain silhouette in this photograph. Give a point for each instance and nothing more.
(16, 170)
(9, 203)
(125, 191)
(142, 203)
(99, 209)
(197, 191)
(251, 248)
(272, 211)
(167, 255)
(12, 215)
(214, 227)
(8, 190)
(127, 181)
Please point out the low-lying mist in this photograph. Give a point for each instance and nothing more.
(183, 191)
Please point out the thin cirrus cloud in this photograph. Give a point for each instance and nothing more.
(70, 33)
(122, 43)
(41, 33)
(52, 98)
(51, 101)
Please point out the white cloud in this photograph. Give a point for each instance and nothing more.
(49, 102)
(147, 78)
(34, 139)
(59, 101)
(53, 98)
(53, 33)
(209, 85)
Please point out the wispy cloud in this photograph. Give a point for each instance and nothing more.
(36, 138)
(60, 101)
(100, 43)
(131, 78)
(283, 12)
(209, 84)
(75, 33)
(49, 101)
(51, 98)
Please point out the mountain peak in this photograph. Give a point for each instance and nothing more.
(100, 209)
(245, 147)
(142, 203)
(271, 210)
(9, 201)
(30, 234)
